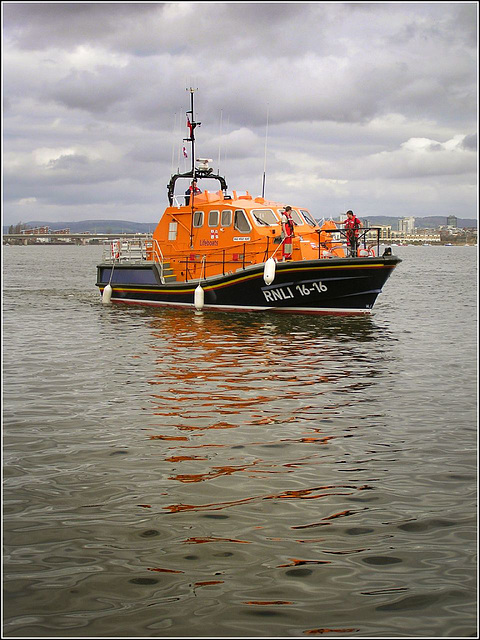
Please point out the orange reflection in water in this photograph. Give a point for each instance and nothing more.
(320, 631)
(310, 541)
(208, 370)
(295, 562)
(178, 508)
(340, 514)
(302, 494)
(225, 470)
(305, 494)
(217, 425)
(165, 570)
(236, 354)
(183, 458)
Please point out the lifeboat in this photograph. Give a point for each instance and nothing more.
(230, 251)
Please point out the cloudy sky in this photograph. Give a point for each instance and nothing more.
(370, 106)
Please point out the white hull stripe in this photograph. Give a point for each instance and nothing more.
(228, 307)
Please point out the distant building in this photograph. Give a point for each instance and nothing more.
(452, 221)
(35, 231)
(385, 233)
(406, 225)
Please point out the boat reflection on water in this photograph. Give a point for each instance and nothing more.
(262, 398)
(224, 325)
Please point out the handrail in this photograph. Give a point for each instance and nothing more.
(115, 250)
(157, 256)
(138, 250)
(194, 174)
(361, 237)
(177, 201)
(222, 260)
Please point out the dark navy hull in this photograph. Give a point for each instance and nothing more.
(332, 286)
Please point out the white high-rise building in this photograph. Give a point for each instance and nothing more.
(406, 225)
(452, 221)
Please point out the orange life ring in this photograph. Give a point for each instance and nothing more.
(366, 252)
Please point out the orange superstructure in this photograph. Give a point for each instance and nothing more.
(218, 233)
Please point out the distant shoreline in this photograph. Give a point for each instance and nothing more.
(127, 226)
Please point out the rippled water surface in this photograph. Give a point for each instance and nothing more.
(177, 474)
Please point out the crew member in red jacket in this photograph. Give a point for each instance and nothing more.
(192, 190)
(352, 225)
(288, 227)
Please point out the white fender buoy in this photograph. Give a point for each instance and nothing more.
(107, 294)
(198, 298)
(269, 271)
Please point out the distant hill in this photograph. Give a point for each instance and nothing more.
(126, 226)
(95, 226)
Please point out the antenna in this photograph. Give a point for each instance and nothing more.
(265, 157)
(225, 148)
(220, 139)
(173, 141)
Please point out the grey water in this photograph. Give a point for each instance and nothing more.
(170, 473)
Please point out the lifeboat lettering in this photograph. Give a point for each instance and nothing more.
(306, 290)
(279, 294)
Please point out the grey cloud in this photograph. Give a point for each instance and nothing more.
(89, 91)
(283, 50)
(470, 142)
(38, 25)
(343, 83)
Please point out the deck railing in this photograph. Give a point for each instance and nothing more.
(362, 242)
(234, 258)
(124, 250)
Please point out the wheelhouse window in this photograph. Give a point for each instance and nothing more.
(198, 219)
(241, 222)
(264, 217)
(172, 230)
(213, 218)
(308, 217)
(226, 218)
(298, 220)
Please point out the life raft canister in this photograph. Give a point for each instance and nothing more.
(326, 238)
(332, 247)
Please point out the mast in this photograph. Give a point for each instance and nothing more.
(265, 159)
(194, 173)
(191, 124)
